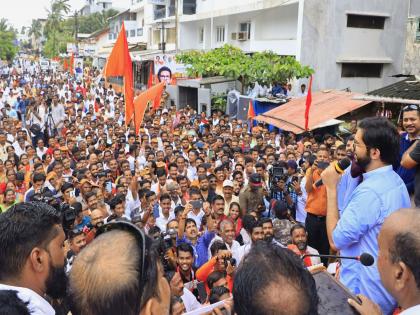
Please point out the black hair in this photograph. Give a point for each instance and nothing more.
(24, 226)
(216, 293)
(164, 68)
(11, 304)
(297, 226)
(164, 197)
(248, 222)
(116, 201)
(189, 220)
(38, 177)
(268, 266)
(216, 246)
(217, 197)
(160, 172)
(153, 230)
(406, 248)
(184, 247)
(379, 133)
(261, 221)
(214, 277)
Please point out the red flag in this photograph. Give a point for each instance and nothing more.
(150, 81)
(144, 100)
(251, 112)
(71, 66)
(119, 64)
(308, 103)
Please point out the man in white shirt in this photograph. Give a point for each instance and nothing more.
(32, 256)
(257, 234)
(227, 236)
(398, 263)
(167, 212)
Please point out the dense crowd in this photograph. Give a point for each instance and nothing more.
(218, 204)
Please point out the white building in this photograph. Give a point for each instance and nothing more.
(350, 44)
(94, 6)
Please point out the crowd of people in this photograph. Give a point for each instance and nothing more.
(195, 213)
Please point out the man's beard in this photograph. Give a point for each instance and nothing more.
(56, 283)
(301, 245)
(269, 238)
(360, 166)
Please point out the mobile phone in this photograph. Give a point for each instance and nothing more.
(197, 204)
(108, 186)
(211, 154)
(72, 194)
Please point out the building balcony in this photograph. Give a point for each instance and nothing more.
(159, 13)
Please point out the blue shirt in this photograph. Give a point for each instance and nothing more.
(407, 175)
(200, 248)
(381, 193)
(349, 270)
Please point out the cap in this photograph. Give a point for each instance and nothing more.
(199, 144)
(255, 179)
(227, 183)
(292, 164)
(165, 111)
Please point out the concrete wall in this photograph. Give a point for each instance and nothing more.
(326, 39)
(414, 7)
(412, 49)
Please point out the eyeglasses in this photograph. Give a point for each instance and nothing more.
(143, 241)
(410, 107)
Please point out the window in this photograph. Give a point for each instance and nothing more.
(418, 30)
(132, 33)
(126, 33)
(220, 34)
(110, 36)
(245, 27)
(361, 70)
(201, 35)
(365, 21)
(140, 32)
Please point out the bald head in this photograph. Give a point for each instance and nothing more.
(399, 244)
(104, 277)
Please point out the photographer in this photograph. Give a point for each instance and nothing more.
(221, 261)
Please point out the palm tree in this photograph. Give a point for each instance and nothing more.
(4, 27)
(35, 31)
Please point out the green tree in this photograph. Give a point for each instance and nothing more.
(8, 49)
(54, 27)
(229, 61)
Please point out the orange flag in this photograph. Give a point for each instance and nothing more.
(251, 112)
(119, 64)
(144, 100)
(71, 66)
(65, 64)
(308, 104)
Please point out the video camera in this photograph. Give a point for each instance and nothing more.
(163, 243)
(68, 214)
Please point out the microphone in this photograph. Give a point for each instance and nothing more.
(340, 166)
(365, 258)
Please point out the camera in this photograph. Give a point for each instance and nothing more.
(163, 243)
(231, 260)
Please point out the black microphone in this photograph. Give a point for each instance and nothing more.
(365, 258)
(340, 166)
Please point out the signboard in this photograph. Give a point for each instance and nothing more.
(87, 50)
(167, 69)
(71, 48)
(158, 2)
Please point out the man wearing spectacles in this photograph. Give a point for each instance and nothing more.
(411, 125)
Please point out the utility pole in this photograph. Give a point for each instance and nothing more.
(162, 30)
(176, 26)
(76, 26)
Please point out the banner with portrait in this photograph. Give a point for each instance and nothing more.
(167, 69)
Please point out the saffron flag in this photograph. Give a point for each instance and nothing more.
(308, 103)
(119, 64)
(150, 81)
(71, 66)
(65, 64)
(251, 112)
(145, 100)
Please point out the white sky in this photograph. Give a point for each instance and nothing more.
(21, 12)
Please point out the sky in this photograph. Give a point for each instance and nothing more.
(21, 12)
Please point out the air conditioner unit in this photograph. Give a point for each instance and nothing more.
(242, 36)
(234, 36)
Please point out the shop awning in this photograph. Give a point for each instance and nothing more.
(326, 107)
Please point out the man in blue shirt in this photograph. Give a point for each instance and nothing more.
(188, 233)
(381, 192)
(411, 124)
